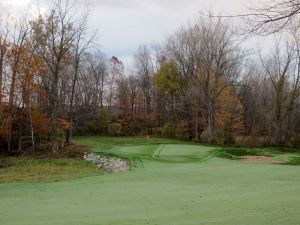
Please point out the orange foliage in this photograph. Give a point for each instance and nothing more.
(40, 122)
(229, 111)
(63, 124)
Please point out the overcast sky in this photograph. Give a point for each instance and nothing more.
(125, 24)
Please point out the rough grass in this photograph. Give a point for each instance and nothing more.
(292, 158)
(41, 170)
(173, 183)
(294, 161)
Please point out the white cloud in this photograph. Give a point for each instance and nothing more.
(15, 3)
(15, 10)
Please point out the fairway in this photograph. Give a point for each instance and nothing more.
(172, 183)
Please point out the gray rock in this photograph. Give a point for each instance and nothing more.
(107, 163)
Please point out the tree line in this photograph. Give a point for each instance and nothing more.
(201, 85)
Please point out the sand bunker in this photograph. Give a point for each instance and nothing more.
(260, 159)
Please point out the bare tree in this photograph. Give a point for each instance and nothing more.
(133, 92)
(81, 43)
(98, 64)
(144, 67)
(117, 71)
(209, 60)
(3, 50)
(272, 16)
(278, 69)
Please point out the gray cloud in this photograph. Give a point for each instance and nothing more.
(142, 3)
(166, 4)
(125, 24)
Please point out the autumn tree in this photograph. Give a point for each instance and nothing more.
(17, 51)
(168, 81)
(56, 34)
(229, 116)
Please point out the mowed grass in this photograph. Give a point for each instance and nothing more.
(172, 183)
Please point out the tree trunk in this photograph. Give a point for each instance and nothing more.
(196, 129)
(11, 108)
(19, 141)
(53, 107)
(1, 78)
(132, 108)
(102, 90)
(53, 132)
(209, 120)
(9, 138)
(31, 125)
(69, 134)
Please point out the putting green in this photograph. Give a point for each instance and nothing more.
(173, 183)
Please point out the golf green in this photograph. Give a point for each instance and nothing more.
(172, 183)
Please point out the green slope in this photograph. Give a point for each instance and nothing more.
(173, 183)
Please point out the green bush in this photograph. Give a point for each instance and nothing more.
(103, 122)
(295, 161)
(92, 128)
(169, 130)
(295, 141)
(115, 129)
(229, 139)
(220, 137)
(252, 141)
(173, 130)
(204, 137)
(183, 136)
(133, 128)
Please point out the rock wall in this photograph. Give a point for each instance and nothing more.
(109, 164)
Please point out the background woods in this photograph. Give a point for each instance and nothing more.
(200, 85)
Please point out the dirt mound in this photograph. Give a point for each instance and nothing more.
(260, 159)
